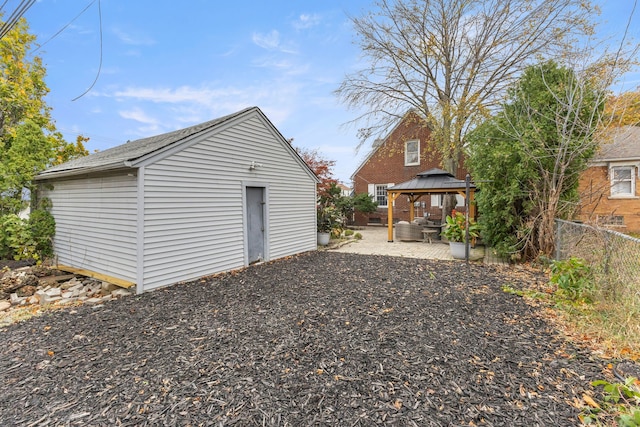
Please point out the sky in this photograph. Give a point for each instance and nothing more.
(164, 65)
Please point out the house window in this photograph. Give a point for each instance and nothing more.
(381, 195)
(412, 153)
(623, 181)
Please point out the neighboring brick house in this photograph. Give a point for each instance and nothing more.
(609, 187)
(406, 151)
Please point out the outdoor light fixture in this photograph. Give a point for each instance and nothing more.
(254, 165)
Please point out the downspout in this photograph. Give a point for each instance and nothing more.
(412, 209)
(389, 217)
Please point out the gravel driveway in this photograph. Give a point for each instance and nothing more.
(323, 338)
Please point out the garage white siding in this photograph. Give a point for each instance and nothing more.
(174, 207)
(193, 204)
(95, 223)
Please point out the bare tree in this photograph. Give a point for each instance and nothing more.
(451, 60)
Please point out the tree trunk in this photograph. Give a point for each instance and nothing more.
(449, 200)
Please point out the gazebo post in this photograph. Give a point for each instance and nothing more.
(391, 198)
(390, 219)
(412, 209)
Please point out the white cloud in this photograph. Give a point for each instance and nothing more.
(267, 41)
(186, 105)
(282, 65)
(79, 29)
(271, 41)
(305, 21)
(139, 115)
(182, 94)
(133, 39)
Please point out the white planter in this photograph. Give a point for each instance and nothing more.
(457, 249)
(323, 239)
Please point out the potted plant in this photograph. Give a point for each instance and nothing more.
(455, 233)
(328, 221)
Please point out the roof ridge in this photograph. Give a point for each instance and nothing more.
(117, 156)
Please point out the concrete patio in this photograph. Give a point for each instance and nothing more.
(375, 242)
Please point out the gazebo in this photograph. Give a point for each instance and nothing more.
(433, 181)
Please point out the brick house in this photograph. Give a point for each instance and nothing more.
(405, 152)
(609, 194)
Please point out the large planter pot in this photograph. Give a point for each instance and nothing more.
(457, 249)
(323, 239)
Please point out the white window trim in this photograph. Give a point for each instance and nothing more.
(372, 189)
(386, 196)
(406, 162)
(632, 194)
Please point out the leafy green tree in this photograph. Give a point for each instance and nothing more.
(364, 203)
(29, 141)
(25, 154)
(527, 159)
(22, 85)
(346, 205)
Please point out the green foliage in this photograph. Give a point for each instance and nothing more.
(22, 86)
(526, 160)
(348, 232)
(25, 154)
(17, 241)
(334, 208)
(455, 230)
(620, 400)
(346, 205)
(364, 203)
(574, 279)
(329, 219)
(10, 226)
(65, 151)
(27, 239)
(42, 227)
(28, 140)
(357, 236)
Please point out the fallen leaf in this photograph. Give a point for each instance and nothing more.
(589, 401)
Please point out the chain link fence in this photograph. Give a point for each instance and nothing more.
(614, 258)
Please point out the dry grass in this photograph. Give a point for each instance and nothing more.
(611, 331)
(613, 320)
(20, 314)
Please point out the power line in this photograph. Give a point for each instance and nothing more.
(65, 27)
(15, 16)
(100, 65)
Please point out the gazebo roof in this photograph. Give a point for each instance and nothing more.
(433, 180)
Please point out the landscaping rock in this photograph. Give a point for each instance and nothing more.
(5, 305)
(13, 280)
(42, 285)
(26, 291)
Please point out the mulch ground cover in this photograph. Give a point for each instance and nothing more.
(317, 339)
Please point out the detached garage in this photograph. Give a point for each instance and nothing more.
(214, 197)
